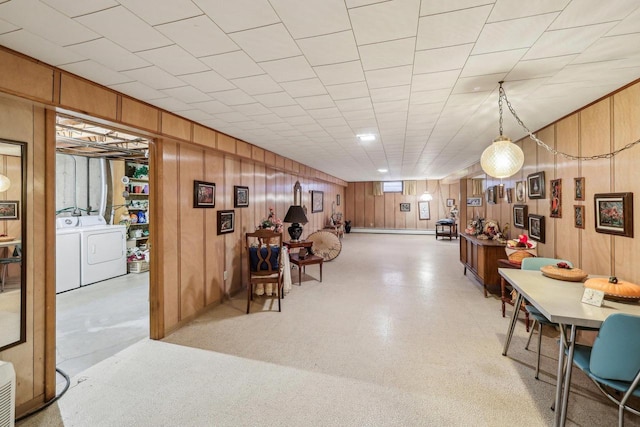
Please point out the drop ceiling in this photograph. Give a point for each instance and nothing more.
(303, 78)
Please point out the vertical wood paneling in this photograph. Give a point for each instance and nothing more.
(350, 202)
(25, 77)
(389, 210)
(232, 241)
(369, 205)
(379, 204)
(243, 149)
(226, 143)
(88, 97)
(176, 126)
(214, 262)
(141, 115)
(204, 136)
(358, 215)
(546, 163)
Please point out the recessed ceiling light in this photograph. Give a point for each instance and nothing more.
(366, 137)
(383, 170)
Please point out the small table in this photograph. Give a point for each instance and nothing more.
(303, 262)
(299, 244)
(446, 229)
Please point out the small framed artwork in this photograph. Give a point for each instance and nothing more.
(405, 207)
(535, 185)
(9, 209)
(240, 196)
(423, 210)
(520, 216)
(536, 227)
(337, 200)
(451, 203)
(556, 198)
(491, 194)
(317, 201)
(226, 221)
(520, 192)
(474, 201)
(578, 188)
(614, 213)
(578, 216)
(509, 195)
(204, 194)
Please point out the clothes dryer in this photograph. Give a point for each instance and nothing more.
(103, 252)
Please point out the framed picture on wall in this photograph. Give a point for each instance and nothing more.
(578, 216)
(556, 198)
(509, 195)
(317, 201)
(474, 201)
(423, 210)
(536, 227)
(337, 200)
(204, 194)
(520, 192)
(240, 196)
(520, 216)
(578, 188)
(614, 213)
(451, 203)
(226, 221)
(492, 194)
(535, 185)
(9, 209)
(405, 207)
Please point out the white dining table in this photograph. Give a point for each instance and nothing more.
(560, 302)
(10, 243)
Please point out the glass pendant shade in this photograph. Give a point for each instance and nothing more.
(502, 159)
(5, 183)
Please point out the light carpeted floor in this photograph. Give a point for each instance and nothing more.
(395, 335)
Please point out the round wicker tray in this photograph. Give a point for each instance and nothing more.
(7, 238)
(597, 283)
(566, 274)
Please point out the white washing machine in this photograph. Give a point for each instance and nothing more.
(103, 252)
(67, 254)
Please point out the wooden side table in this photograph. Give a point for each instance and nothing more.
(506, 298)
(306, 244)
(303, 262)
(446, 229)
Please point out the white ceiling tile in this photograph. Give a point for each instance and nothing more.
(160, 12)
(289, 69)
(174, 60)
(359, 115)
(429, 96)
(154, 77)
(96, 72)
(432, 81)
(390, 93)
(195, 115)
(312, 17)
(536, 68)
(347, 72)
(566, 42)
(279, 99)
(451, 29)
(429, 7)
(267, 119)
(444, 59)
(187, 94)
(73, 8)
(331, 122)
(388, 54)
(391, 106)
(492, 63)
(45, 22)
(392, 20)
(302, 88)
(199, 36)
(208, 81)
(330, 49)
(109, 54)
(252, 109)
(599, 12)
(238, 15)
(267, 43)
(315, 102)
(124, 28)
(486, 83)
(171, 104)
(233, 97)
(233, 117)
(348, 90)
(213, 107)
(138, 90)
(6, 27)
(300, 120)
(289, 111)
(37, 47)
(257, 85)
(396, 76)
(514, 34)
(630, 24)
(354, 104)
(233, 65)
(608, 48)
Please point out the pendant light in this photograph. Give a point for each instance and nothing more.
(502, 158)
(5, 183)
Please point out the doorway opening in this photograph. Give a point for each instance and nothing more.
(102, 242)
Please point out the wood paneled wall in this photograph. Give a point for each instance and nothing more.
(606, 125)
(383, 212)
(188, 257)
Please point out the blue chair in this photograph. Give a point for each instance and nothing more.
(264, 252)
(614, 359)
(16, 258)
(535, 263)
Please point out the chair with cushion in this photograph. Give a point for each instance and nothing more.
(535, 263)
(614, 360)
(264, 251)
(15, 259)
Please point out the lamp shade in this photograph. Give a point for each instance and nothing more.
(5, 183)
(502, 159)
(295, 214)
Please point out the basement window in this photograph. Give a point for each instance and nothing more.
(392, 187)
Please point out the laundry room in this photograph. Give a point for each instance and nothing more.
(102, 242)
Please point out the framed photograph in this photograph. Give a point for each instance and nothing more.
(614, 213)
(556, 198)
(578, 188)
(536, 227)
(535, 185)
(240, 196)
(204, 194)
(423, 210)
(520, 216)
(405, 207)
(491, 194)
(451, 202)
(474, 201)
(509, 195)
(337, 200)
(520, 192)
(226, 221)
(9, 209)
(578, 216)
(317, 201)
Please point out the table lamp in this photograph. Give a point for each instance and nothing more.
(295, 215)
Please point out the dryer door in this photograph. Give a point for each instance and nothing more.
(104, 247)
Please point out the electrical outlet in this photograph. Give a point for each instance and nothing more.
(225, 275)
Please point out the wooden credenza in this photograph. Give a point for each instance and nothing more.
(480, 257)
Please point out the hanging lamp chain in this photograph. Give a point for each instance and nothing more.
(541, 143)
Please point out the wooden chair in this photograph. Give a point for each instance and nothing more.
(264, 252)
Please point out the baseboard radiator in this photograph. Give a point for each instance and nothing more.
(7, 395)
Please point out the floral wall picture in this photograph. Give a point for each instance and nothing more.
(578, 188)
(614, 213)
(578, 216)
(556, 198)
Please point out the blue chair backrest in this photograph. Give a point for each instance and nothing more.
(266, 258)
(534, 263)
(616, 350)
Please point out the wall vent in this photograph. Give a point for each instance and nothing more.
(7, 394)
